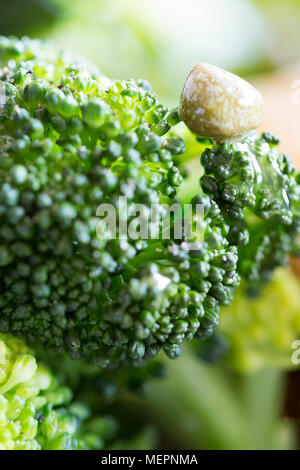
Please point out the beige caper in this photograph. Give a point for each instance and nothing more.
(218, 104)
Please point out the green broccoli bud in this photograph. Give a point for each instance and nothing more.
(257, 191)
(35, 411)
(73, 140)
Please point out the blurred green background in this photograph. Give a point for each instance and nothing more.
(160, 40)
(243, 401)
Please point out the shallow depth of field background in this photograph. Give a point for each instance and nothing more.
(160, 40)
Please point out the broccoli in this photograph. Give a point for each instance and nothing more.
(258, 192)
(257, 331)
(238, 402)
(36, 412)
(71, 140)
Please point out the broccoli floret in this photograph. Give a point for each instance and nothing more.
(258, 192)
(71, 140)
(36, 412)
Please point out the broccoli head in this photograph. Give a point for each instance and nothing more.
(258, 192)
(71, 141)
(36, 412)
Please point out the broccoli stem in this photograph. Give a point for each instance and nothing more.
(204, 406)
(262, 395)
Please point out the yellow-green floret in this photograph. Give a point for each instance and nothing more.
(36, 411)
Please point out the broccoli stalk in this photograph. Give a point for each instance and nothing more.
(203, 406)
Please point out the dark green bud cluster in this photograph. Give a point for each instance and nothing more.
(258, 192)
(70, 141)
(174, 298)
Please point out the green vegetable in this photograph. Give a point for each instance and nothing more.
(35, 410)
(258, 192)
(236, 399)
(62, 285)
(71, 140)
